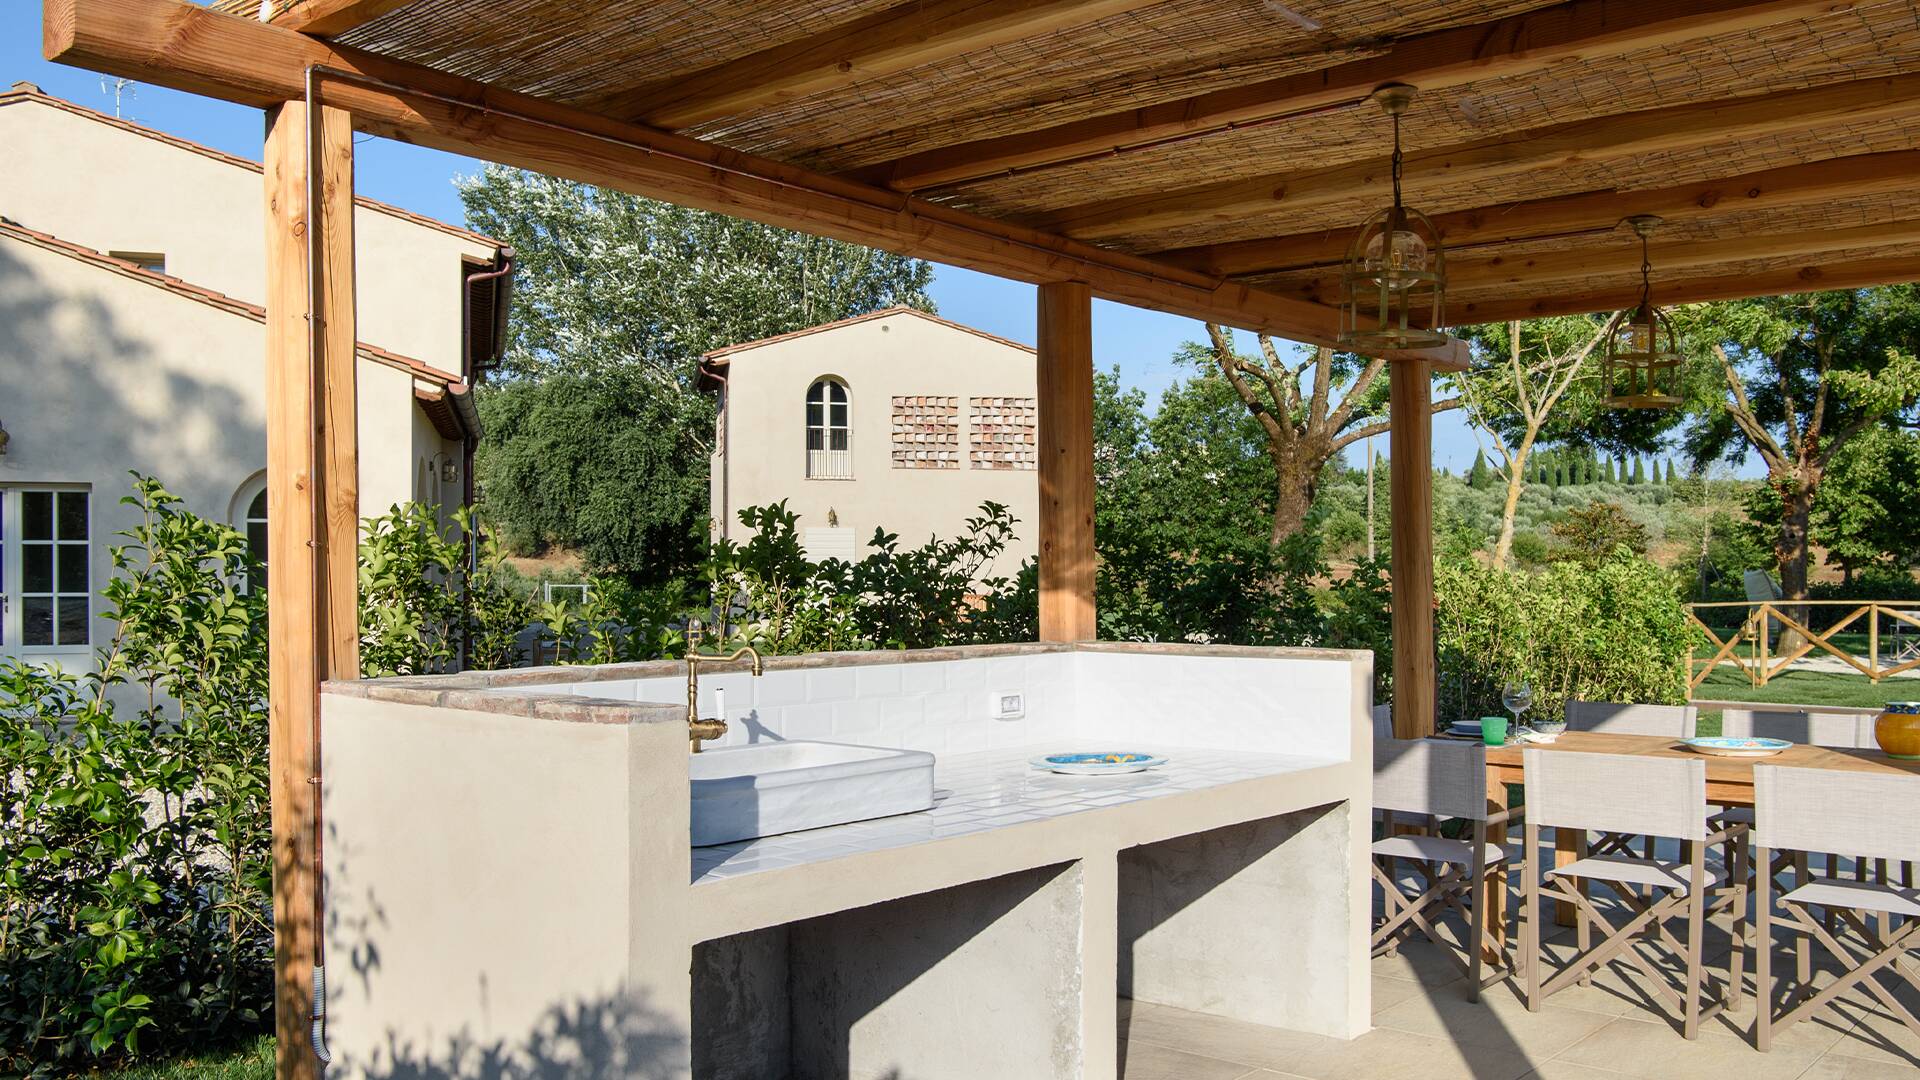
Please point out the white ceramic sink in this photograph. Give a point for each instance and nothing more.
(743, 792)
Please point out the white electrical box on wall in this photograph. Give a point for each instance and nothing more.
(1007, 705)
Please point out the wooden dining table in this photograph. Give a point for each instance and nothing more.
(1729, 779)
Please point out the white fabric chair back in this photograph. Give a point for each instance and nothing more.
(1641, 796)
(1849, 731)
(1871, 815)
(1427, 776)
(1672, 721)
(1382, 723)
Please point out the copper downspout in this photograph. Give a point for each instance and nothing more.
(471, 439)
(316, 337)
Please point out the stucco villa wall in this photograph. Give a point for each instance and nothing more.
(114, 190)
(101, 373)
(898, 354)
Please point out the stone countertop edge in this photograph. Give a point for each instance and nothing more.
(479, 690)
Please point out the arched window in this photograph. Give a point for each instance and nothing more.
(829, 431)
(249, 514)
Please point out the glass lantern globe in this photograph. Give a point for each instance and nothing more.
(1393, 284)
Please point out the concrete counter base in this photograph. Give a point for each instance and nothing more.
(512, 889)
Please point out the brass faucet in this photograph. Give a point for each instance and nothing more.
(698, 730)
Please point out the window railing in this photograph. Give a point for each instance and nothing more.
(830, 464)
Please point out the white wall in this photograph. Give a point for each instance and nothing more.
(899, 354)
(103, 187)
(102, 373)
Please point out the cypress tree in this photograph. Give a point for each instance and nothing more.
(1480, 476)
(1639, 472)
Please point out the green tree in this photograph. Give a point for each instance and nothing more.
(1639, 472)
(1183, 525)
(1589, 534)
(1481, 477)
(1800, 378)
(1865, 511)
(616, 297)
(1306, 412)
(1524, 391)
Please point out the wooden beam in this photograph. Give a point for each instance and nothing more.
(1516, 45)
(1810, 277)
(1065, 389)
(882, 43)
(1410, 491)
(1603, 138)
(1833, 180)
(312, 525)
(325, 18)
(187, 47)
(1623, 258)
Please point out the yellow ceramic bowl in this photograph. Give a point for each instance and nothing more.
(1898, 729)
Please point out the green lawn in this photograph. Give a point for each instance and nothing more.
(1808, 688)
(254, 1061)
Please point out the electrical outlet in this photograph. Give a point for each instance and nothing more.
(1007, 705)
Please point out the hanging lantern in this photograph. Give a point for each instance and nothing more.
(1393, 285)
(1641, 367)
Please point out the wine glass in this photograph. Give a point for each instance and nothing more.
(1517, 696)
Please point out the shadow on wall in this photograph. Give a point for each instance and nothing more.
(99, 391)
(586, 1040)
(617, 1035)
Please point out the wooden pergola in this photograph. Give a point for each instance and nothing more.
(1208, 158)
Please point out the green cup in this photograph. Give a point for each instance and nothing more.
(1493, 730)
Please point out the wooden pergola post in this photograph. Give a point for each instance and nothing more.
(1065, 388)
(1410, 484)
(312, 521)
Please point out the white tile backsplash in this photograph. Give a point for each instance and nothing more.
(1252, 703)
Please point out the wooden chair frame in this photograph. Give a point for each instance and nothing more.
(1442, 892)
(1885, 948)
(1645, 924)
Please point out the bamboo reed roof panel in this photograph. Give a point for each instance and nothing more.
(1133, 57)
(1651, 171)
(1875, 40)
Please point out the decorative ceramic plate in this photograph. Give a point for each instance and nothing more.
(1098, 764)
(1732, 747)
(1464, 730)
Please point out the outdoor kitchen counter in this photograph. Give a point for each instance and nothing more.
(995, 814)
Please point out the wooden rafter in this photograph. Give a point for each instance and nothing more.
(1603, 138)
(1832, 180)
(326, 18)
(882, 43)
(187, 47)
(1623, 258)
(1517, 45)
(1809, 277)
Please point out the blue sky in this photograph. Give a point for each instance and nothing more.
(1141, 342)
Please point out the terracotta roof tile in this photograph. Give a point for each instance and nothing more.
(719, 355)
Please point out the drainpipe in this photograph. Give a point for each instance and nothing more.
(471, 439)
(317, 1033)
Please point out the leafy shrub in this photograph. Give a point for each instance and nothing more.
(1589, 534)
(417, 600)
(1613, 632)
(773, 597)
(134, 832)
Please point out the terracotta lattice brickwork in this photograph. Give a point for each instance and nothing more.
(1003, 433)
(926, 432)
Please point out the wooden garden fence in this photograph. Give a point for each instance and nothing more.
(1889, 654)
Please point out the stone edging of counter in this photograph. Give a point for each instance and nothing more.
(479, 691)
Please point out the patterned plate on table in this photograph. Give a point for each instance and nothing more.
(1732, 747)
(1099, 763)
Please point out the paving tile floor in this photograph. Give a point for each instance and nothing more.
(1425, 1029)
